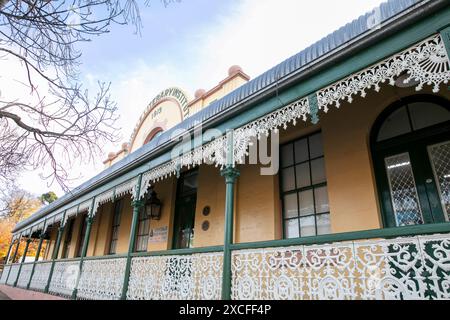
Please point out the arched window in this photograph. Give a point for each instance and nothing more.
(155, 133)
(411, 151)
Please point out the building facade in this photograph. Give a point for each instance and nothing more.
(353, 202)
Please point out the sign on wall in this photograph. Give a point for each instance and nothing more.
(159, 235)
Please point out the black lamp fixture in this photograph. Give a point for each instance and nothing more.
(153, 205)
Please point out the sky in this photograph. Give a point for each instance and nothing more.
(191, 44)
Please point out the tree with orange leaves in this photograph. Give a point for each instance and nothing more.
(16, 205)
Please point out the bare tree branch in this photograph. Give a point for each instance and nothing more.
(54, 121)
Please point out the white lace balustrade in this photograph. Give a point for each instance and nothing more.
(5, 273)
(102, 279)
(426, 63)
(40, 276)
(64, 277)
(25, 275)
(404, 268)
(13, 273)
(190, 277)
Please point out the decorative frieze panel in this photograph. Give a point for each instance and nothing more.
(102, 198)
(40, 276)
(13, 273)
(190, 277)
(128, 187)
(25, 275)
(85, 206)
(404, 268)
(64, 277)
(4, 275)
(215, 152)
(268, 124)
(102, 279)
(426, 63)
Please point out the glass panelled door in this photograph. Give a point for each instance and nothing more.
(419, 184)
(403, 190)
(439, 155)
(185, 210)
(411, 151)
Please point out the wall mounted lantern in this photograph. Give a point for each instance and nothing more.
(153, 205)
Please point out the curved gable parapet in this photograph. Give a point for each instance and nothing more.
(174, 94)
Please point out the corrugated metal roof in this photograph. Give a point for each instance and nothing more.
(304, 58)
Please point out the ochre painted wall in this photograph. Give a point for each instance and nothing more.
(125, 225)
(166, 191)
(211, 192)
(256, 205)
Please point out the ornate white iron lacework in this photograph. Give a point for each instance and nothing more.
(102, 198)
(426, 63)
(102, 279)
(64, 277)
(25, 275)
(404, 268)
(128, 187)
(281, 118)
(13, 273)
(214, 152)
(40, 275)
(85, 206)
(189, 277)
(72, 212)
(4, 275)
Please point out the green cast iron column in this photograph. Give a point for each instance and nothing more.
(36, 257)
(90, 220)
(230, 174)
(137, 205)
(23, 259)
(9, 252)
(14, 257)
(55, 251)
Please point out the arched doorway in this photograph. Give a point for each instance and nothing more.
(410, 144)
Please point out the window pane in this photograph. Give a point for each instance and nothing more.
(301, 151)
(287, 155)
(321, 197)
(306, 202)
(290, 206)
(318, 171)
(288, 179)
(427, 114)
(308, 226)
(190, 182)
(303, 175)
(396, 125)
(404, 195)
(291, 228)
(323, 224)
(315, 145)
